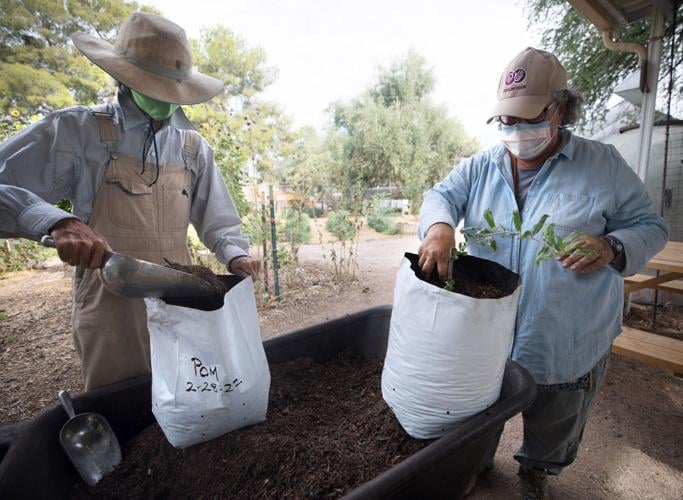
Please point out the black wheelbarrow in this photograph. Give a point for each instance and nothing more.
(35, 466)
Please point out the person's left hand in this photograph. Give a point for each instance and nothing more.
(585, 264)
(244, 266)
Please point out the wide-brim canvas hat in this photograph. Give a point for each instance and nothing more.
(153, 56)
(528, 83)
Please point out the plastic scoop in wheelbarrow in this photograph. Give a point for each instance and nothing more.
(89, 441)
(131, 277)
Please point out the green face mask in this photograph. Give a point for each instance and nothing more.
(156, 109)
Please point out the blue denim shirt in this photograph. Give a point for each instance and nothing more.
(566, 321)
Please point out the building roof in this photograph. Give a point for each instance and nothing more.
(612, 14)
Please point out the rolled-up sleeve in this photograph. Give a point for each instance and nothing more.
(37, 169)
(635, 221)
(447, 200)
(213, 212)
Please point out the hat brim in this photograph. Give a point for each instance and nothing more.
(194, 90)
(527, 106)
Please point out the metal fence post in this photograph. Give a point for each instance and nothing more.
(273, 235)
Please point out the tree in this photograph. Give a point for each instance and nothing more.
(394, 134)
(591, 67)
(40, 69)
(245, 132)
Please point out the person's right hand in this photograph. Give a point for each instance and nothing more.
(78, 245)
(436, 249)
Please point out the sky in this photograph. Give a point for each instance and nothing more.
(327, 50)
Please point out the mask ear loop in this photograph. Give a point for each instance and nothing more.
(557, 110)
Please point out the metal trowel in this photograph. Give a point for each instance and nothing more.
(131, 277)
(89, 442)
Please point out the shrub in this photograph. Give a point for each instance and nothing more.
(313, 212)
(379, 221)
(296, 228)
(341, 225)
(252, 228)
(19, 254)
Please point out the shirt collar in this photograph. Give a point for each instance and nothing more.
(567, 144)
(133, 117)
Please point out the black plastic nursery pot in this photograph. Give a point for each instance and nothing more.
(34, 465)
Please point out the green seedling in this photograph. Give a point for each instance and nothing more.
(551, 245)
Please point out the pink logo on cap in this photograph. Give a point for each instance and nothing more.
(516, 76)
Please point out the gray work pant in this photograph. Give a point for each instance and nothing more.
(553, 426)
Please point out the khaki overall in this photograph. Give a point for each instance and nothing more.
(141, 219)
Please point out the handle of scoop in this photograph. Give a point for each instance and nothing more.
(68, 405)
(47, 241)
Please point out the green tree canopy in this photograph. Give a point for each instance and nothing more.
(245, 131)
(394, 134)
(40, 69)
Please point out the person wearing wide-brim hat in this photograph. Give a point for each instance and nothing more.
(137, 173)
(570, 309)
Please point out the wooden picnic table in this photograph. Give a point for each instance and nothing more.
(648, 347)
(669, 263)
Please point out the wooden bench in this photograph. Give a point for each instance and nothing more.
(650, 348)
(632, 283)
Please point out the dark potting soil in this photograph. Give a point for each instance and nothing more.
(465, 286)
(328, 431)
(201, 272)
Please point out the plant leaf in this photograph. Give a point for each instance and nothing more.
(543, 254)
(494, 245)
(526, 235)
(549, 235)
(488, 216)
(539, 225)
(517, 220)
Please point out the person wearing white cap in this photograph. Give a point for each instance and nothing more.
(137, 173)
(570, 311)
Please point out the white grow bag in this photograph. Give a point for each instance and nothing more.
(446, 353)
(209, 370)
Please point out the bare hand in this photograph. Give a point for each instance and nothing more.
(78, 245)
(436, 249)
(584, 264)
(245, 266)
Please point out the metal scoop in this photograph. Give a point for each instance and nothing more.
(131, 277)
(89, 442)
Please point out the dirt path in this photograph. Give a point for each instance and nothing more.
(633, 446)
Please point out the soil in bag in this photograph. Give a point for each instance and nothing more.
(328, 431)
(222, 284)
(473, 276)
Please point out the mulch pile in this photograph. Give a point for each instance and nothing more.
(327, 431)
